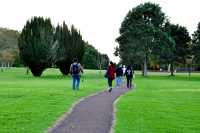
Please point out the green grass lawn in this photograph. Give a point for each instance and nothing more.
(31, 105)
(161, 104)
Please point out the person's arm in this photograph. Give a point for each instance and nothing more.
(125, 72)
(70, 69)
(133, 74)
(81, 68)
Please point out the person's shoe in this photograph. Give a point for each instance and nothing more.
(110, 90)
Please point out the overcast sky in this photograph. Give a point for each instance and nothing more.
(98, 20)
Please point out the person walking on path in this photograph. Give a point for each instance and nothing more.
(119, 74)
(76, 69)
(110, 75)
(124, 69)
(129, 76)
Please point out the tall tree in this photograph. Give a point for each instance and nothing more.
(90, 58)
(35, 42)
(68, 45)
(181, 38)
(138, 34)
(93, 59)
(104, 61)
(196, 44)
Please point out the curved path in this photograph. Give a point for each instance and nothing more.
(92, 115)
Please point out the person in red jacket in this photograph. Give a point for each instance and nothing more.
(110, 75)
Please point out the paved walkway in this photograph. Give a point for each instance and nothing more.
(92, 115)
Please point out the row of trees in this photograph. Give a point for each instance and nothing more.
(146, 35)
(93, 59)
(42, 46)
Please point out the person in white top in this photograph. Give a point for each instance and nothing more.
(124, 69)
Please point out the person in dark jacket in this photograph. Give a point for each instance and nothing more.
(119, 74)
(76, 69)
(129, 76)
(110, 75)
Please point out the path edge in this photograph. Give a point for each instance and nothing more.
(112, 128)
(66, 114)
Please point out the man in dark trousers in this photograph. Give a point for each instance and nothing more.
(110, 75)
(129, 76)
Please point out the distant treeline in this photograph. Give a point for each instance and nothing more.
(40, 45)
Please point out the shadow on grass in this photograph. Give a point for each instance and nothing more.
(55, 77)
(4, 96)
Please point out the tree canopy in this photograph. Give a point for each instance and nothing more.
(35, 42)
(196, 44)
(179, 53)
(140, 33)
(68, 45)
(93, 59)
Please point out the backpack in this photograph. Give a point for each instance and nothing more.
(75, 69)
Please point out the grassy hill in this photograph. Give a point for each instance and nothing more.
(8, 46)
(8, 39)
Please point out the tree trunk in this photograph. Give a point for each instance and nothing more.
(27, 71)
(172, 69)
(99, 62)
(64, 68)
(2, 67)
(169, 68)
(145, 67)
(37, 70)
(189, 70)
(100, 68)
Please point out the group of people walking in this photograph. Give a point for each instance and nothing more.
(119, 72)
(111, 73)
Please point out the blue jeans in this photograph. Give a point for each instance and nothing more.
(118, 81)
(76, 82)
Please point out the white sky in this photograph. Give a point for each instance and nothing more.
(98, 20)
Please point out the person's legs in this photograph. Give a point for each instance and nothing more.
(74, 82)
(110, 84)
(120, 80)
(117, 81)
(127, 83)
(77, 82)
(130, 83)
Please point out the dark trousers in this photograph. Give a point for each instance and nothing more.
(110, 82)
(129, 82)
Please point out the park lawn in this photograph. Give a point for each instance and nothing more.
(160, 104)
(31, 105)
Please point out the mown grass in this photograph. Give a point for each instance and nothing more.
(31, 105)
(161, 104)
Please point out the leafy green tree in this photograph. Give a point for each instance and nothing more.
(68, 45)
(140, 32)
(181, 37)
(35, 42)
(93, 59)
(104, 61)
(196, 44)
